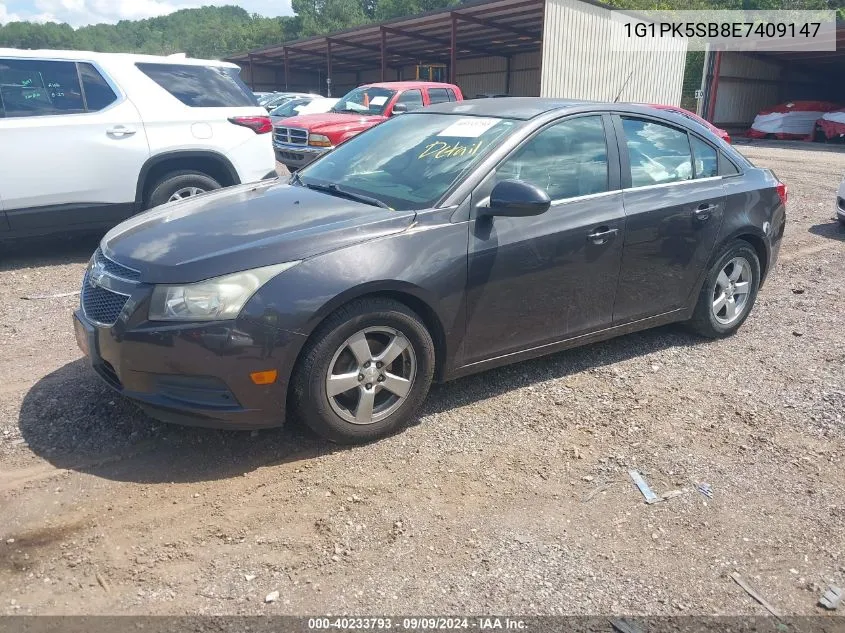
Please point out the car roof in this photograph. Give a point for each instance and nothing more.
(398, 85)
(524, 108)
(94, 56)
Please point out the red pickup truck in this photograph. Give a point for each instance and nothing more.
(300, 139)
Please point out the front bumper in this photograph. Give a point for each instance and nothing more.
(297, 156)
(194, 374)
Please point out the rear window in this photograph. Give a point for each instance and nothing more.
(34, 87)
(201, 86)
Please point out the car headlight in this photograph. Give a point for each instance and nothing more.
(213, 299)
(318, 140)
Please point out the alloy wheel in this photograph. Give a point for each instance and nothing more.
(371, 375)
(732, 291)
(185, 192)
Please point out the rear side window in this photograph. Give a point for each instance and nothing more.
(451, 94)
(438, 95)
(658, 153)
(726, 166)
(706, 158)
(201, 86)
(412, 98)
(98, 93)
(34, 87)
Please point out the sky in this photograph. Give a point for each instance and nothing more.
(82, 12)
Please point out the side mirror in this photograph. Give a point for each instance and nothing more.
(516, 199)
(399, 108)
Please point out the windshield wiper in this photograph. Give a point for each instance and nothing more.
(334, 190)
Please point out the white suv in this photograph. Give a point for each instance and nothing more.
(88, 139)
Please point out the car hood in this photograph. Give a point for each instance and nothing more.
(243, 227)
(331, 123)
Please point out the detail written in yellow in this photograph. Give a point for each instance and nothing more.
(442, 149)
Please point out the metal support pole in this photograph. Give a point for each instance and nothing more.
(383, 53)
(508, 75)
(287, 68)
(328, 68)
(251, 73)
(453, 63)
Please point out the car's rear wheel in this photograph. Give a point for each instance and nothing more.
(179, 185)
(729, 291)
(365, 372)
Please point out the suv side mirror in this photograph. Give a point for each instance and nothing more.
(516, 199)
(399, 108)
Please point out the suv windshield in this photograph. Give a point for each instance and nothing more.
(410, 161)
(365, 100)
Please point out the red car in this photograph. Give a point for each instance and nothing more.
(694, 117)
(300, 139)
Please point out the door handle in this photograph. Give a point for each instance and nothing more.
(703, 211)
(602, 235)
(119, 131)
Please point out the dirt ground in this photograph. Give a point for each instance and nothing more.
(510, 495)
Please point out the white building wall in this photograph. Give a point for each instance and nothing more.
(583, 59)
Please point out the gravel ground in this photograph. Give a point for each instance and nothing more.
(510, 495)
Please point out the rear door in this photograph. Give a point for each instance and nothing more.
(674, 203)
(535, 280)
(78, 145)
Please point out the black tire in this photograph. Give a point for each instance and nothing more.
(169, 184)
(704, 321)
(309, 397)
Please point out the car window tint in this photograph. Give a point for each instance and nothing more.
(726, 166)
(451, 94)
(412, 98)
(32, 87)
(706, 159)
(566, 160)
(658, 153)
(98, 93)
(437, 95)
(201, 86)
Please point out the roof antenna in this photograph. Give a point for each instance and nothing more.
(619, 94)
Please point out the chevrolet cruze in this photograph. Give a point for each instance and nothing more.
(440, 243)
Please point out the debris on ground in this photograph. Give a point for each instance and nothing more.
(271, 597)
(754, 593)
(705, 489)
(648, 493)
(102, 582)
(674, 493)
(624, 625)
(55, 296)
(596, 491)
(832, 598)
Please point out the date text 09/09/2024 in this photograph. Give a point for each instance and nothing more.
(417, 624)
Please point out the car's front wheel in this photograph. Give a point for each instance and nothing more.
(729, 291)
(365, 372)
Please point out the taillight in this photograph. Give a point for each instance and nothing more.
(783, 192)
(258, 124)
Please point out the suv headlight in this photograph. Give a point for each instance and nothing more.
(319, 140)
(213, 299)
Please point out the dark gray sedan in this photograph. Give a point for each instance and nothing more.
(439, 243)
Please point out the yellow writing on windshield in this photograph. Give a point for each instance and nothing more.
(442, 149)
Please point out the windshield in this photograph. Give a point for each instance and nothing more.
(365, 100)
(410, 161)
(290, 108)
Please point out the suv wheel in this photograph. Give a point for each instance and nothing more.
(365, 372)
(178, 185)
(729, 291)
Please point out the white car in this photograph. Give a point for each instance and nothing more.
(89, 139)
(840, 203)
(296, 107)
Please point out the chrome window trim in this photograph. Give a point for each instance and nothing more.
(676, 183)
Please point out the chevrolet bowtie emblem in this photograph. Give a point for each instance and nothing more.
(98, 271)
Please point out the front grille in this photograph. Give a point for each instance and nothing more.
(114, 269)
(292, 135)
(100, 305)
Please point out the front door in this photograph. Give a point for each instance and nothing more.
(674, 202)
(534, 280)
(76, 146)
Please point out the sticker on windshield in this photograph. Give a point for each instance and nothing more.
(470, 127)
(377, 101)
